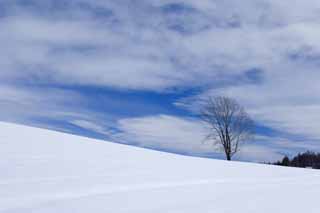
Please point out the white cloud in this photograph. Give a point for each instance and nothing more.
(92, 126)
(87, 50)
(165, 132)
(258, 154)
(23, 104)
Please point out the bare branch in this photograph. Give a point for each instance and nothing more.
(229, 124)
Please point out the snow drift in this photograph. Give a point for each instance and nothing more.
(46, 171)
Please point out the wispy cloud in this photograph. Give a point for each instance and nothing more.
(163, 131)
(22, 104)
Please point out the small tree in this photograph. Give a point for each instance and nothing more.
(229, 124)
(285, 161)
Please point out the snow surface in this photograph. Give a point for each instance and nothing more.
(50, 172)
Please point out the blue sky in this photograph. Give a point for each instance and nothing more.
(133, 71)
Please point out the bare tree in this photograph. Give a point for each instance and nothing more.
(229, 124)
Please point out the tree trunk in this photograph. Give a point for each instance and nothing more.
(229, 157)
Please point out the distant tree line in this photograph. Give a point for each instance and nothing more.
(302, 160)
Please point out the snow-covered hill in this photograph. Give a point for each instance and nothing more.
(43, 171)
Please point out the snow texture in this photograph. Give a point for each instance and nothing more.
(43, 171)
